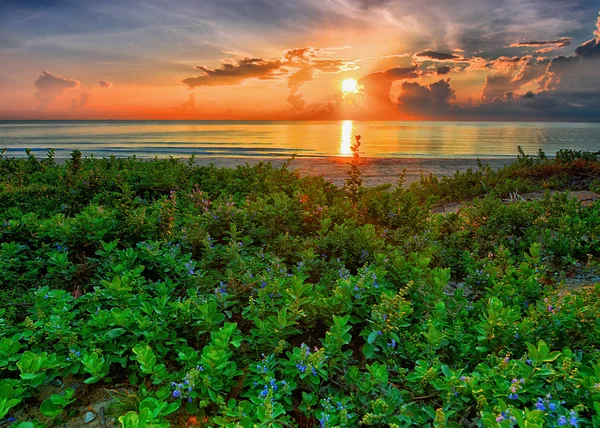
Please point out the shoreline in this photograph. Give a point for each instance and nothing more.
(375, 171)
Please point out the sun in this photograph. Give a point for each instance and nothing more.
(349, 85)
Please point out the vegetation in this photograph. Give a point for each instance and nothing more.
(252, 297)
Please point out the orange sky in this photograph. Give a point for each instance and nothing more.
(287, 60)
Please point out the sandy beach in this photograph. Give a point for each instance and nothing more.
(375, 171)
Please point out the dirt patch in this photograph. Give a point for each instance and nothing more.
(586, 198)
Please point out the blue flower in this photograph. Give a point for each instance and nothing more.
(540, 405)
(177, 393)
(552, 406)
(573, 419)
(562, 421)
(264, 392)
(513, 396)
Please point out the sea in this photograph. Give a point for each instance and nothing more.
(315, 139)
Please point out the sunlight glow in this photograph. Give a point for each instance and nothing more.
(349, 86)
(346, 140)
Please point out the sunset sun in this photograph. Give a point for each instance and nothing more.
(350, 85)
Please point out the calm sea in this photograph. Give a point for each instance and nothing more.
(264, 139)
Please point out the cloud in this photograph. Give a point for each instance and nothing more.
(295, 82)
(105, 84)
(445, 69)
(235, 72)
(299, 65)
(510, 74)
(377, 85)
(190, 104)
(543, 46)
(83, 100)
(50, 86)
(433, 99)
(430, 55)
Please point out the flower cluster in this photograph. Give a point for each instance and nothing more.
(75, 353)
(334, 414)
(515, 387)
(309, 361)
(221, 291)
(190, 267)
(506, 416)
(185, 389)
(556, 412)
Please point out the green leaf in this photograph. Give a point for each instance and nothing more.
(372, 337)
(48, 408)
(115, 332)
(369, 350)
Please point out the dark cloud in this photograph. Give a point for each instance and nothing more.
(543, 46)
(370, 4)
(445, 69)
(511, 74)
(50, 86)
(591, 48)
(105, 84)
(377, 85)
(426, 100)
(438, 56)
(235, 72)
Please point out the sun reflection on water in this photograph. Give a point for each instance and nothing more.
(346, 139)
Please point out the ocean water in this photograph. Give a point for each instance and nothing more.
(268, 140)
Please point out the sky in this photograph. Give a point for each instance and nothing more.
(287, 59)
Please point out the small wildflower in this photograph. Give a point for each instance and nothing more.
(540, 405)
(177, 393)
